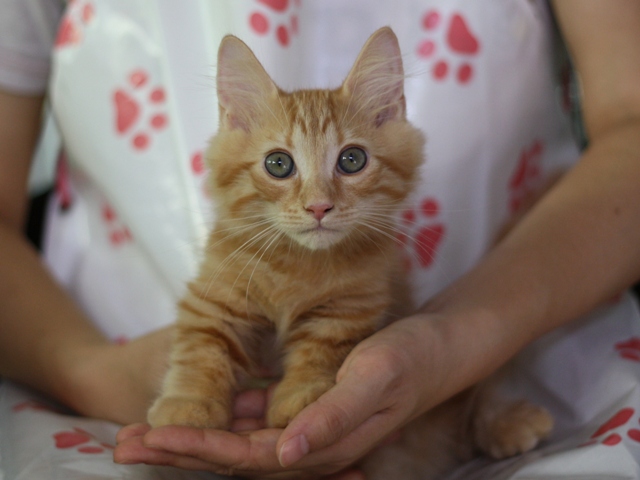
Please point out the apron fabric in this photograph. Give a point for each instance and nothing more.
(133, 93)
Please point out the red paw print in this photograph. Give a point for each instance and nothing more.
(138, 110)
(77, 437)
(629, 349)
(119, 234)
(428, 232)
(606, 435)
(279, 16)
(79, 14)
(450, 47)
(63, 183)
(527, 177)
(33, 405)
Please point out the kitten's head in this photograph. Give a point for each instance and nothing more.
(321, 167)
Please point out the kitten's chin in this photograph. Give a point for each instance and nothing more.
(318, 238)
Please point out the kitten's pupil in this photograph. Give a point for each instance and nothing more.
(352, 160)
(279, 164)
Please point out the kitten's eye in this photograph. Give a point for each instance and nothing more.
(279, 164)
(352, 160)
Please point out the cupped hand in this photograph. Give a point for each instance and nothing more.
(381, 386)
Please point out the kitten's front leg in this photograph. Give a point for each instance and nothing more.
(315, 351)
(207, 354)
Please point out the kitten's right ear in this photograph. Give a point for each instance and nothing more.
(376, 80)
(244, 87)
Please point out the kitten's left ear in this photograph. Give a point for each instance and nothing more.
(244, 87)
(376, 80)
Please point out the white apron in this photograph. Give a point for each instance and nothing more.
(133, 91)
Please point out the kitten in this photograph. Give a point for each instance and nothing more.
(303, 259)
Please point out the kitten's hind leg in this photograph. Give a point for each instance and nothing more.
(503, 428)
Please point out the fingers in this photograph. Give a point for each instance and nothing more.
(130, 431)
(133, 450)
(368, 384)
(253, 403)
(251, 455)
(253, 451)
(250, 404)
(246, 425)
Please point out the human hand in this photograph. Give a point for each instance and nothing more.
(379, 388)
(249, 412)
(118, 382)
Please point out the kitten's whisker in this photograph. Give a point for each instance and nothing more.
(251, 260)
(236, 254)
(237, 233)
(277, 236)
(419, 245)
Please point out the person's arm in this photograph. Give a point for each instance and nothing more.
(46, 342)
(575, 249)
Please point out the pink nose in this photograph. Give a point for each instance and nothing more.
(319, 210)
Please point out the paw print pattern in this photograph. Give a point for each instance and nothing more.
(80, 440)
(449, 47)
(118, 233)
(63, 187)
(138, 110)
(78, 16)
(277, 16)
(34, 406)
(527, 177)
(197, 164)
(427, 232)
(629, 349)
(199, 171)
(611, 432)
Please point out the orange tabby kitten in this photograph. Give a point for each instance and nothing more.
(302, 260)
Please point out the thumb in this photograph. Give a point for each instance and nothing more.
(362, 391)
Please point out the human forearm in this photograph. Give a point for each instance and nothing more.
(576, 248)
(41, 329)
(45, 340)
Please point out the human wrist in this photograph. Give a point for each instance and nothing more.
(81, 372)
(467, 343)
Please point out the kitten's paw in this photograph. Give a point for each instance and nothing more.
(290, 398)
(515, 429)
(190, 412)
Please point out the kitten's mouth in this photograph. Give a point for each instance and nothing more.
(320, 228)
(319, 237)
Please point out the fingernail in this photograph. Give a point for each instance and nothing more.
(293, 450)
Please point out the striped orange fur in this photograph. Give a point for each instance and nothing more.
(274, 274)
(302, 267)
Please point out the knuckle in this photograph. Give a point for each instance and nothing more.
(384, 363)
(336, 422)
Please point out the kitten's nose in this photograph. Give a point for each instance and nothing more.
(319, 210)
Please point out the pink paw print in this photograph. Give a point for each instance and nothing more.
(450, 47)
(139, 110)
(199, 171)
(427, 232)
(79, 14)
(611, 432)
(119, 234)
(278, 16)
(526, 179)
(84, 441)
